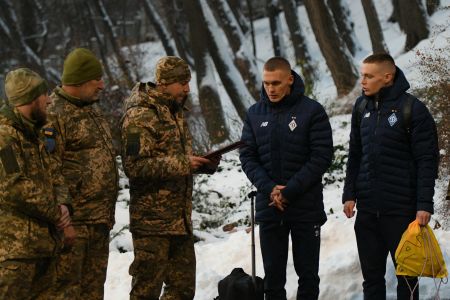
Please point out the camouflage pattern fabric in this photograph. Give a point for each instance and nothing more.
(84, 143)
(156, 149)
(160, 259)
(28, 205)
(26, 279)
(170, 69)
(74, 280)
(28, 209)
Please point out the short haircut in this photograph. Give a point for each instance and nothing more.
(379, 58)
(277, 63)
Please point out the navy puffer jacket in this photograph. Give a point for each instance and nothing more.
(391, 171)
(288, 143)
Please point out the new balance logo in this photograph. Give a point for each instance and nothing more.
(264, 124)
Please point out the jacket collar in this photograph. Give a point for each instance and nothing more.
(19, 122)
(74, 100)
(393, 92)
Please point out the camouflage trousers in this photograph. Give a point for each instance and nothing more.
(81, 271)
(163, 259)
(24, 279)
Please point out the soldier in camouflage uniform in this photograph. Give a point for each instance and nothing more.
(158, 160)
(34, 205)
(84, 144)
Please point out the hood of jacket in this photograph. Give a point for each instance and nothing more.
(394, 91)
(297, 90)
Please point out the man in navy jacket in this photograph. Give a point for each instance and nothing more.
(288, 148)
(391, 170)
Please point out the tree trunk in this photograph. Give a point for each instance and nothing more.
(344, 27)
(230, 76)
(241, 49)
(207, 88)
(395, 12)
(163, 33)
(252, 29)
(412, 20)
(109, 31)
(236, 7)
(373, 24)
(302, 57)
(101, 44)
(275, 27)
(179, 29)
(432, 5)
(333, 48)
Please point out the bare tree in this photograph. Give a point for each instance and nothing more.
(411, 18)
(180, 29)
(373, 24)
(113, 39)
(164, 34)
(221, 54)
(302, 57)
(333, 48)
(432, 5)
(344, 26)
(242, 56)
(275, 27)
(207, 87)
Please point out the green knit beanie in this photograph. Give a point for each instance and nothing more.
(22, 86)
(80, 66)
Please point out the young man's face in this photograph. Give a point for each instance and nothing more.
(277, 84)
(374, 77)
(178, 90)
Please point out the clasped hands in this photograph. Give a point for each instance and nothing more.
(277, 199)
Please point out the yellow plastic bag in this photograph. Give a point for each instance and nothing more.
(418, 254)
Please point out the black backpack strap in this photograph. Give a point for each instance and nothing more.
(406, 111)
(360, 110)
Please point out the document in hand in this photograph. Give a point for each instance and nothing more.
(224, 150)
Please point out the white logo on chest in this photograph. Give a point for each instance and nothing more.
(392, 119)
(367, 114)
(264, 124)
(292, 125)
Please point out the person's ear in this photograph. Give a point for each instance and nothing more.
(388, 77)
(291, 79)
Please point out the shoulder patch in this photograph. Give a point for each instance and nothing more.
(9, 161)
(50, 141)
(133, 143)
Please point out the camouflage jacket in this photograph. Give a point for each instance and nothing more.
(29, 195)
(156, 149)
(84, 143)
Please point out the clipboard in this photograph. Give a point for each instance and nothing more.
(223, 150)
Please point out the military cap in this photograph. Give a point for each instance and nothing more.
(23, 85)
(171, 69)
(81, 65)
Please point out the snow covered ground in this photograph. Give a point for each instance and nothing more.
(220, 199)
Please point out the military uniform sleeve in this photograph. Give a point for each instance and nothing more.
(20, 193)
(147, 149)
(55, 148)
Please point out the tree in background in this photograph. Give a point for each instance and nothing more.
(302, 57)
(341, 17)
(273, 13)
(208, 94)
(411, 18)
(334, 50)
(373, 24)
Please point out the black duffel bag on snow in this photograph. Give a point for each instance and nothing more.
(239, 285)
